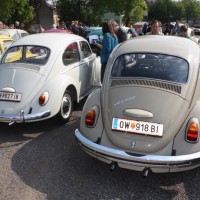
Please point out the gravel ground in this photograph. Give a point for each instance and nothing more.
(43, 161)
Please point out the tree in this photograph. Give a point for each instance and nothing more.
(166, 10)
(91, 11)
(131, 10)
(15, 10)
(85, 11)
(192, 9)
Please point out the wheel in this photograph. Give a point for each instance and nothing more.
(66, 108)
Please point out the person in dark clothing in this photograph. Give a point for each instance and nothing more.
(144, 29)
(75, 28)
(119, 31)
(167, 29)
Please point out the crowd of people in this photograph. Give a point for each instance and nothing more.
(113, 33)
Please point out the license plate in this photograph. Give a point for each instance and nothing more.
(10, 96)
(139, 127)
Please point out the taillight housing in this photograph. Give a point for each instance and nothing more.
(91, 117)
(192, 131)
(43, 98)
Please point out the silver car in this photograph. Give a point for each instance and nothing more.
(146, 115)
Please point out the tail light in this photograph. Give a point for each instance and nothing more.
(91, 117)
(192, 132)
(43, 99)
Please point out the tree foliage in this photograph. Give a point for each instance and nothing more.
(166, 10)
(191, 9)
(91, 11)
(131, 10)
(15, 10)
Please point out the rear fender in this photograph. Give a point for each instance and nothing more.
(56, 88)
(95, 132)
(182, 147)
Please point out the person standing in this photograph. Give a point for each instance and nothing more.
(17, 25)
(176, 29)
(1, 25)
(132, 32)
(119, 31)
(155, 28)
(109, 42)
(184, 32)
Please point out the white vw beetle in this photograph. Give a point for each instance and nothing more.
(146, 116)
(42, 74)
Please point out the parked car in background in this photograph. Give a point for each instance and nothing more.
(49, 73)
(5, 42)
(57, 31)
(96, 35)
(14, 33)
(88, 30)
(146, 115)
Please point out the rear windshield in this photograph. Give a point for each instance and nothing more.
(27, 54)
(153, 66)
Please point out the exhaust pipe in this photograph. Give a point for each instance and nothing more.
(146, 172)
(113, 166)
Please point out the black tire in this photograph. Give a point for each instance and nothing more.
(66, 108)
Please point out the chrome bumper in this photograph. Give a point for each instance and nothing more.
(171, 163)
(21, 118)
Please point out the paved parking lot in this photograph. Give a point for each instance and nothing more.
(43, 161)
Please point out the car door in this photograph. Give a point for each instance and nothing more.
(87, 65)
(74, 66)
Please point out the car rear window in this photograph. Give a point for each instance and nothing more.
(153, 66)
(27, 54)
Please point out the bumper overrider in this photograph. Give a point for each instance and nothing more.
(21, 118)
(155, 163)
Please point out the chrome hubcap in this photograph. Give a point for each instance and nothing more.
(66, 106)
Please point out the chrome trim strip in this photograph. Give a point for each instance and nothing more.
(146, 160)
(20, 118)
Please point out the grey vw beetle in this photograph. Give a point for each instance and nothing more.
(146, 115)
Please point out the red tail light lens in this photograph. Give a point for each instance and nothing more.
(192, 134)
(90, 118)
(43, 99)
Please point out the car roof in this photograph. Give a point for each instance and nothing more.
(50, 40)
(11, 32)
(95, 32)
(171, 45)
(5, 37)
(140, 23)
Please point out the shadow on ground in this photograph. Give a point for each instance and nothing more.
(54, 164)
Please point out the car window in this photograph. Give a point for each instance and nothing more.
(36, 55)
(27, 54)
(24, 34)
(7, 43)
(85, 49)
(71, 54)
(13, 54)
(154, 66)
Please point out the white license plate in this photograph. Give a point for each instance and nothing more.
(10, 96)
(139, 127)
